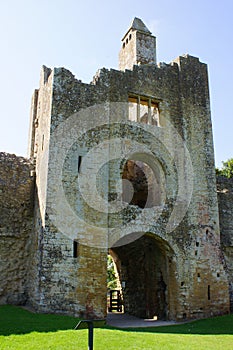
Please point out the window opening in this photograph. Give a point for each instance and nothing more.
(142, 188)
(154, 114)
(208, 292)
(79, 163)
(143, 109)
(133, 109)
(75, 249)
(135, 173)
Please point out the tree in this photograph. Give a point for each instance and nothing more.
(111, 276)
(227, 169)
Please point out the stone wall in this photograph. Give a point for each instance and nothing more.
(16, 223)
(200, 280)
(62, 280)
(225, 202)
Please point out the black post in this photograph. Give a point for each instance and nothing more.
(90, 335)
(90, 325)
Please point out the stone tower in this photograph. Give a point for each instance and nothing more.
(123, 165)
(138, 46)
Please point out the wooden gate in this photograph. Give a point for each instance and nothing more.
(115, 301)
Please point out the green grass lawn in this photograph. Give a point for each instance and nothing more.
(23, 330)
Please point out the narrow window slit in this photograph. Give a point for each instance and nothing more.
(208, 292)
(79, 163)
(75, 249)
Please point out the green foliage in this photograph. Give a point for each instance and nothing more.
(111, 276)
(227, 169)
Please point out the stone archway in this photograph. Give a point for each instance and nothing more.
(147, 182)
(147, 274)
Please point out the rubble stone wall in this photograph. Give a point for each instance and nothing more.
(225, 202)
(16, 227)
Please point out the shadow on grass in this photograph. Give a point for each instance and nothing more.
(16, 320)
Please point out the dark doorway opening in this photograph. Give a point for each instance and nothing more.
(145, 271)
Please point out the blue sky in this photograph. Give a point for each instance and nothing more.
(84, 36)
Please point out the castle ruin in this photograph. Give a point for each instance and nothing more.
(121, 166)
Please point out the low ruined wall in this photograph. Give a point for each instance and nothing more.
(225, 202)
(16, 215)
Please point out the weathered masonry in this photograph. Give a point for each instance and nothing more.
(225, 202)
(121, 166)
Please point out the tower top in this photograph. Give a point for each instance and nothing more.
(137, 24)
(138, 46)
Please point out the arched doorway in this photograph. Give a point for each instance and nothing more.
(146, 271)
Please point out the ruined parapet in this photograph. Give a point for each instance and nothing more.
(16, 224)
